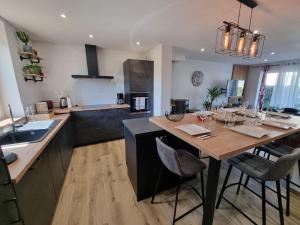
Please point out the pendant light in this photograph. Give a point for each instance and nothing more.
(238, 41)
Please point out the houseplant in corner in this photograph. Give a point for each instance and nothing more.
(212, 95)
(24, 37)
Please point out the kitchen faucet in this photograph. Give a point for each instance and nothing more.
(13, 123)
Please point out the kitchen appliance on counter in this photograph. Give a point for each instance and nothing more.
(63, 103)
(41, 107)
(139, 101)
(180, 106)
(120, 98)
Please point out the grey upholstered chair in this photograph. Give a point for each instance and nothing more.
(263, 170)
(278, 150)
(184, 165)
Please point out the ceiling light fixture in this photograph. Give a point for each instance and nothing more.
(91, 36)
(202, 50)
(238, 41)
(63, 16)
(265, 60)
(138, 43)
(272, 53)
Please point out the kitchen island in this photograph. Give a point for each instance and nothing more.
(142, 160)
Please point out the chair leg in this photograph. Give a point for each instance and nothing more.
(288, 194)
(157, 184)
(247, 181)
(268, 157)
(224, 186)
(176, 200)
(202, 185)
(240, 182)
(263, 195)
(299, 166)
(279, 203)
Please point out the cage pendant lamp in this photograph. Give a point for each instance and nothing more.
(238, 41)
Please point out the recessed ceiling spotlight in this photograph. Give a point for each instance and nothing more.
(255, 32)
(202, 49)
(63, 16)
(91, 36)
(272, 53)
(265, 60)
(138, 43)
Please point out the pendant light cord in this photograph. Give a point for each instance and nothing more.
(250, 20)
(239, 14)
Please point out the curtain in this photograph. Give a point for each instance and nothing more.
(261, 97)
(286, 89)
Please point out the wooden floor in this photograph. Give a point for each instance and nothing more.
(97, 191)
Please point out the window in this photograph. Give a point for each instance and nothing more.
(270, 82)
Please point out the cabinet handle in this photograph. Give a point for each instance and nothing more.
(8, 182)
(18, 210)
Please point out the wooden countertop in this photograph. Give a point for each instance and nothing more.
(227, 143)
(91, 107)
(29, 152)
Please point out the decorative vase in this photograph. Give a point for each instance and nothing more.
(27, 48)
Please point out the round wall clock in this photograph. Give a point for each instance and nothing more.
(197, 78)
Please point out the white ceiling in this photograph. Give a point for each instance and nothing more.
(187, 24)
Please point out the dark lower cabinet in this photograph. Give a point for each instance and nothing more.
(95, 126)
(53, 151)
(66, 143)
(37, 193)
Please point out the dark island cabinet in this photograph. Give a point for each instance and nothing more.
(38, 191)
(94, 126)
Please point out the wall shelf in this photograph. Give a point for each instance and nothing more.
(30, 56)
(34, 77)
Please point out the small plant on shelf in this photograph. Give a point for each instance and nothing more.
(33, 69)
(24, 37)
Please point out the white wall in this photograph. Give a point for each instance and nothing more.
(215, 74)
(253, 84)
(9, 92)
(30, 92)
(162, 57)
(61, 61)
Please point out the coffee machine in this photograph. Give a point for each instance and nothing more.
(120, 98)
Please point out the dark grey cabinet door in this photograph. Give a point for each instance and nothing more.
(98, 125)
(36, 195)
(65, 140)
(56, 165)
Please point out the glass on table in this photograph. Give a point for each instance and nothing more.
(202, 117)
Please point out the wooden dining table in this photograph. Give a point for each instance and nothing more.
(223, 145)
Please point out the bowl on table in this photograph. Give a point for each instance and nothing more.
(174, 117)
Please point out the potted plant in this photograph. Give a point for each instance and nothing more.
(36, 69)
(212, 95)
(27, 69)
(24, 37)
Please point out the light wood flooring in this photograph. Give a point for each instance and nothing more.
(97, 191)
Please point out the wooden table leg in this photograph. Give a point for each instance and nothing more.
(211, 191)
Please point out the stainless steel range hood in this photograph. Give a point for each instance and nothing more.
(92, 64)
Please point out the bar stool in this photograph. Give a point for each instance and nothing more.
(184, 165)
(278, 150)
(261, 169)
